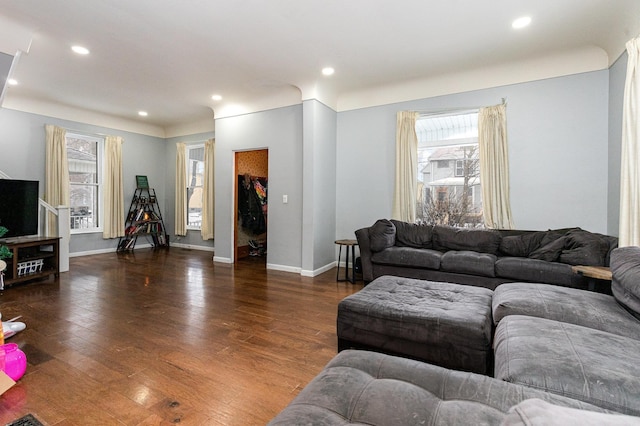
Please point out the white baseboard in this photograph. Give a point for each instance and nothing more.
(283, 268)
(316, 272)
(193, 247)
(222, 259)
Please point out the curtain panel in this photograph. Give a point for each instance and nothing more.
(629, 232)
(56, 173)
(406, 179)
(494, 167)
(181, 189)
(208, 197)
(113, 189)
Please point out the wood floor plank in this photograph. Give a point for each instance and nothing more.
(157, 337)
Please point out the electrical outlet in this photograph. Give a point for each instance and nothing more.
(285, 199)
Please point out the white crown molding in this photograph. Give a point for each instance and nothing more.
(561, 64)
(65, 112)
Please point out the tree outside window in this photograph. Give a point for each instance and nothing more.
(449, 191)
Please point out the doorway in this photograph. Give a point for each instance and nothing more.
(251, 186)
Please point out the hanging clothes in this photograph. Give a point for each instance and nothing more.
(252, 196)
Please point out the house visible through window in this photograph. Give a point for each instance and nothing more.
(84, 155)
(449, 191)
(195, 181)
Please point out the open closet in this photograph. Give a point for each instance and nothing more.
(251, 204)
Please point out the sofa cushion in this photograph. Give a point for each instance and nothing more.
(469, 262)
(534, 270)
(382, 235)
(570, 360)
(413, 235)
(586, 308)
(625, 285)
(521, 245)
(585, 248)
(481, 240)
(369, 388)
(551, 251)
(408, 256)
(536, 412)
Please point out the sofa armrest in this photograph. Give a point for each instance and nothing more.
(362, 235)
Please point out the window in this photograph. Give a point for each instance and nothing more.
(84, 156)
(195, 181)
(449, 170)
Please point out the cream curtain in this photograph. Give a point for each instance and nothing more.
(404, 197)
(56, 172)
(113, 192)
(208, 199)
(181, 189)
(629, 232)
(494, 166)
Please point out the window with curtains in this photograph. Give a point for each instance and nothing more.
(195, 182)
(84, 156)
(449, 191)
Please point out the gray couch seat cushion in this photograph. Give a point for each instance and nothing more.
(368, 388)
(625, 285)
(469, 262)
(447, 324)
(586, 308)
(593, 366)
(535, 270)
(408, 256)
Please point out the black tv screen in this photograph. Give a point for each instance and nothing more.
(19, 207)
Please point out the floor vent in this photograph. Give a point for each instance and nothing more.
(27, 420)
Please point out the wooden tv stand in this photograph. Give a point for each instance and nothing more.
(33, 258)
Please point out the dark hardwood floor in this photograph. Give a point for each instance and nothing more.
(167, 336)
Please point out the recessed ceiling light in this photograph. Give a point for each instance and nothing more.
(143, 113)
(80, 50)
(328, 71)
(216, 97)
(521, 22)
(12, 82)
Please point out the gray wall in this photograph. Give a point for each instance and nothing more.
(22, 148)
(558, 138)
(617, 77)
(319, 180)
(193, 238)
(5, 67)
(280, 131)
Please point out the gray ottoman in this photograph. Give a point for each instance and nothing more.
(368, 388)
(442, 323)
(590, 365)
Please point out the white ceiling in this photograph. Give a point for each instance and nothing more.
(169, 57)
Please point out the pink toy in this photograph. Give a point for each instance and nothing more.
(12, 361)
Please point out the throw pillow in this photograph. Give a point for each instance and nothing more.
(585, 248)
(534, 412)
(481, 240)
(382, 235)
(625, 285)
(549, 252)
(412, 235)
(521, 245)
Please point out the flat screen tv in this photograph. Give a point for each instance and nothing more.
(19, 207)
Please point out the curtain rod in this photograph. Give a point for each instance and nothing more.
(455, 110)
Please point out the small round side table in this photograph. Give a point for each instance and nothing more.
(350, 244)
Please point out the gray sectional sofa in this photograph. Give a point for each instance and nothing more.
(562, 356)
(481, 257)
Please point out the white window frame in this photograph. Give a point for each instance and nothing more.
(188, 169)
(99, 184)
